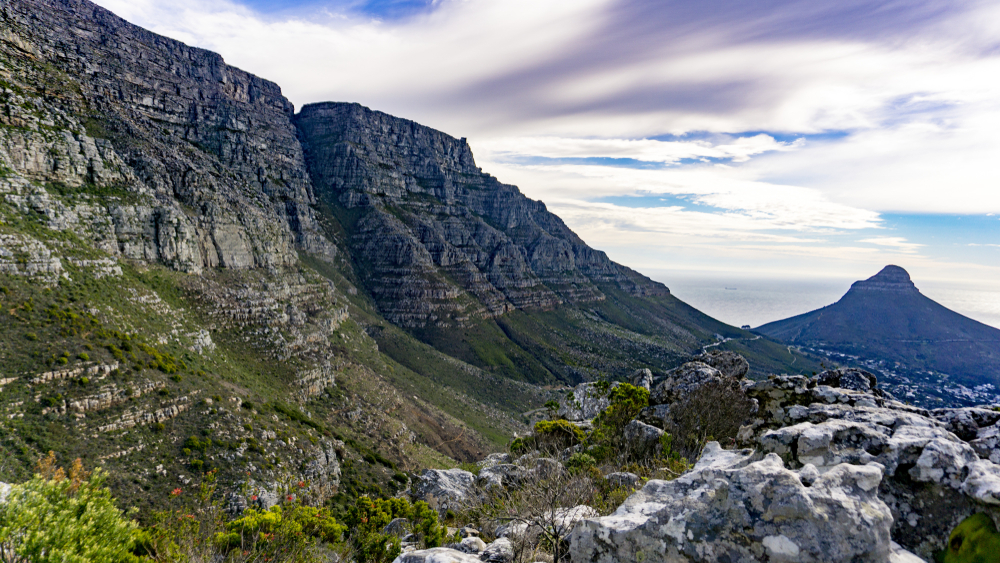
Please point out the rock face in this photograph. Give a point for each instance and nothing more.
(462, 243)
(732, 508)
(585, 402)
(680, 382)
(444, 489)
(932, 478)
(200, 158)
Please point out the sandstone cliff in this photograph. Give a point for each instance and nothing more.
(439, 240)
(203, 155)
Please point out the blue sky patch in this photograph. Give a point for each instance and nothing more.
(380, 9)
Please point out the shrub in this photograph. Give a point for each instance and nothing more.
(558, 434)
(367, 517)
(552, 406)
(606, 439)
(713, 411)
(285, 532)
(83, 356)
(65, 517)
(580, 463)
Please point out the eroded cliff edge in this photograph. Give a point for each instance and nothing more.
(438, 239)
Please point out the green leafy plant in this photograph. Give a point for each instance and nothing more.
(368, 517)
(557, 434)
(66, 517)
(606, 440)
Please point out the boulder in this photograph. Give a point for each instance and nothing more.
(444, 489)
(849, 378)
(398, 527)
(494, 459)
(642, 378)
(622, 479)
(505, 475)
(732, 508)
(500, 551)
(656, 415)
(473, 544)
(729, 364)
(586, 401)
(642, 439)
(966, 422)
(437, 555)
(681, 381)
(545, 468)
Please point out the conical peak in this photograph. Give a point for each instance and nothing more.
(891, 278)
(892, 274)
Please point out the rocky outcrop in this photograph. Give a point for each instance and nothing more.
(729, 364)
(585, 401)
(732, 508)
(932, 479)
(444, 489)
(323, 471)
(680, 382)
(460, 242)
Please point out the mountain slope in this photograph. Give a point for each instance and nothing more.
(163, 277)
(887, 318)
(185, 284)
(481, 272)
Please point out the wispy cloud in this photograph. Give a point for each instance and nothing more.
(895, 242)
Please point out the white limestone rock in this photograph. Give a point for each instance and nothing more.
(444, 489)
(437, 555)
(730, 507)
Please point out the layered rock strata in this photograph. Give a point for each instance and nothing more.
(438, 240)
(200, 158)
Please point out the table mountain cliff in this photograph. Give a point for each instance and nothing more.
(888, 322)
(193, 276)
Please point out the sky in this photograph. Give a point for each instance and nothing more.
(799, 139)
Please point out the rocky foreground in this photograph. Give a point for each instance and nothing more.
(830, 469)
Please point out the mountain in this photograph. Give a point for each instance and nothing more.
(194, 276)
(915, 342)
(474, 268)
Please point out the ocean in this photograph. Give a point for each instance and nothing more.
(755, 301)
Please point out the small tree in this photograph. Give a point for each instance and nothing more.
(537, 513)
(64, 516)
(713, 411)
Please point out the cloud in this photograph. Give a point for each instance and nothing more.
(895, 242)
(735, 149)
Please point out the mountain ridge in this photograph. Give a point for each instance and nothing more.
(886, 318)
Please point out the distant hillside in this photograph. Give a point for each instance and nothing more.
(886, 319)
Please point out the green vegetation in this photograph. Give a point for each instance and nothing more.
(368, 517)
(974, 540)
(62, 516)
(557, 434)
